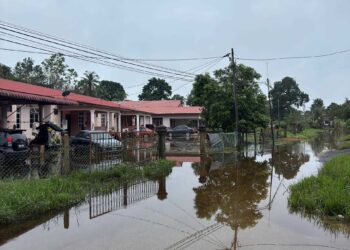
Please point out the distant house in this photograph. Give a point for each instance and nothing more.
(169, 113)
(23, 106)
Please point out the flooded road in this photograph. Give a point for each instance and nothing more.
(219, 202)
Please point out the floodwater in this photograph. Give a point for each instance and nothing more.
(220, 202)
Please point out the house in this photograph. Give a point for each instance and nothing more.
(23, 106)
(169, 113)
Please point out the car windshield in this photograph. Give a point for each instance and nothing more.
(181, 127)
(101, 136)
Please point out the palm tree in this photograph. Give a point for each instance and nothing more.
(87, 85)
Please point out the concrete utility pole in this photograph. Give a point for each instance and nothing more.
(234, 94)
(270, 108)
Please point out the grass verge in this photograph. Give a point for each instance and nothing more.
(343, 142)
(328, 193)
(308, 133)
(24, 199)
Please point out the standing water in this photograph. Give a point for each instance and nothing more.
(225, 201)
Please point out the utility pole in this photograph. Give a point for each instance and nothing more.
(234, 94)
(279, 119)
(271, 120)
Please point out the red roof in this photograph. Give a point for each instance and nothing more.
(162, 107)
(31, 92)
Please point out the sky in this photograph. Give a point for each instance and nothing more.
(199, 28)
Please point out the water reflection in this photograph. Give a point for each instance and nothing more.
(287, 160)
(231, 194)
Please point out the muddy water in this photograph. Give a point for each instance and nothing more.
(218, 202)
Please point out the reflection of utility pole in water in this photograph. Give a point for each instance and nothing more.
(125, 195)
(162, 193)
(204, 168)
(235, 236)
(66, 218)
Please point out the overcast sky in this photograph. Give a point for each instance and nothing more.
(199, 28)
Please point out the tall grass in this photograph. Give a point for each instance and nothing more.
(327, 194)
(308, 133)
(24, 199)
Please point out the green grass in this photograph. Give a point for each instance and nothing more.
(343, 142)
(308, 133)
(327, 194)
(344, 138)
(25, 199)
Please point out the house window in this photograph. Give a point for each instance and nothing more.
(34, 116)
(103, 120)
(18, 118)
(81, 120)
(157, 121)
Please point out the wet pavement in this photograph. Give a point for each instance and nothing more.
(226, 201)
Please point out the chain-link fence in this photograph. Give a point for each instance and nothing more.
(221, 142)
(87, 151)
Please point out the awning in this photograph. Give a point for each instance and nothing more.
(35, 98)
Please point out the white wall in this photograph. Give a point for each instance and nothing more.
(166, 121)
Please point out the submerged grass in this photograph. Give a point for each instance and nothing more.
(327, 194)
(24, 199)
(308, 133)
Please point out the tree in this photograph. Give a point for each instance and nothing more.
(216, 96)
(87, 85)
(178, 97)
(232, 194)
(6, 72)
(111, 91)
(27, 71)
(333, 111)
(286, 96)
(195, 98)
(156, 89)
(71, 77)
(317, 112)
(54, 69)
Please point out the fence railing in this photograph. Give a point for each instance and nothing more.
(96, 151)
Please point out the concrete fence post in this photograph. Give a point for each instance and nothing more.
(202, 139)
(161, 131)
(66, 154)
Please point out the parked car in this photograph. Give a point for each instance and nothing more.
(151, 127)
(14, 148)
(143, 132)
(181, 130)
(103, 140)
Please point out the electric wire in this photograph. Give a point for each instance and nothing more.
(79, 47)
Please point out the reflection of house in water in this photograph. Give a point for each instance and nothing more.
(128, 194)
(181, 159)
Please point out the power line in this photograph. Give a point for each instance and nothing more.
(99, 61)
(90, 50)
(173, 59)
(294, 57)
(205, 66)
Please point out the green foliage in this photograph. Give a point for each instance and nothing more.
(88, 84)
(326, 194)
(160, 168)
(156, 89)
(318, 112)
(6, 72)
(308, 133)
(54, 69)
(178, 97)
(24, 199)
(111, 91)
(286, 96)
(343, 142)
(26, 71)
(216, 96)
